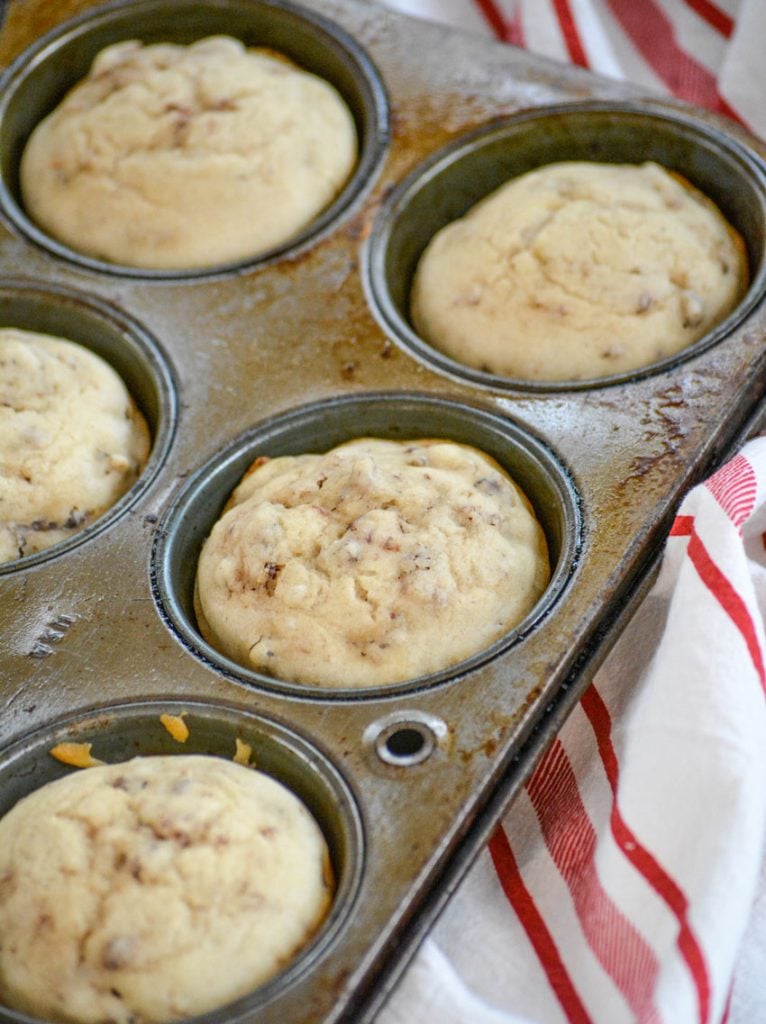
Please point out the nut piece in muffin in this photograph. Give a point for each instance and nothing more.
(579, 270)
(154, 890)
(72, 440)
(374, 563)
(182, 157)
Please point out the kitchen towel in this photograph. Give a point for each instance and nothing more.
(707, 52)
(619, 885)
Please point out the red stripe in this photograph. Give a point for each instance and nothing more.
(644, 862)
(728, 598)
(721, 589)
(571, 841)
(537, 932)
(515, 32)
(734, 487)
(683, 526)
(653, 35)
(493, 17)
(727, 1008)
(730, 112)
(714, 16)
(569, 31)
(507, 31)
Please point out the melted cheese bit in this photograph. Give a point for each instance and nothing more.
(75, 754)
(176, 726)
(243, 753)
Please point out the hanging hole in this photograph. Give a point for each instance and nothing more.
(405, 743)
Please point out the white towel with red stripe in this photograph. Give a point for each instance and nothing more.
(707, 52)
(628, 881)
(619, 886)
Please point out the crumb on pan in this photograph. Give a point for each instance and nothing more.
(176, 726)
(77, 755)
(243, 753)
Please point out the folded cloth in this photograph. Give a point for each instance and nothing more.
(618, 886)
(627, 882)
(707, 52)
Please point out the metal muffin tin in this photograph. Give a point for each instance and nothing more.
(307, 347)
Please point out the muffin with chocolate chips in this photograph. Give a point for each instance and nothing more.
(371, 564)
(181, 157)
(579, 270)
(154, 890)
(72, 440)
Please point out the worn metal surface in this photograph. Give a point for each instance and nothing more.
(85, 627)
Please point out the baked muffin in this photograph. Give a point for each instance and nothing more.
(579, 270)
(374, 563)
(180, 157)
(71, 440)
(154, 890)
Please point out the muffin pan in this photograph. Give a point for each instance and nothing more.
(306, 348)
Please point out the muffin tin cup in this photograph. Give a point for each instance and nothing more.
(320, 427)
(122, 731)
(128, 348)
(450, 182)
(36, 83)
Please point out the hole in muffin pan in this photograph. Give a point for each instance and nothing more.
(455, 178)
(405, 739)
(131, 729)
(319, 427)
(128, 348)
(40, 77)
(408, 744)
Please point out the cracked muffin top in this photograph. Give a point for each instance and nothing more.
(579, 270)
(181, 157)
(374, 563)
(155, 889)
(71, 440)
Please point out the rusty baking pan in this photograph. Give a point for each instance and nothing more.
(312, 345)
